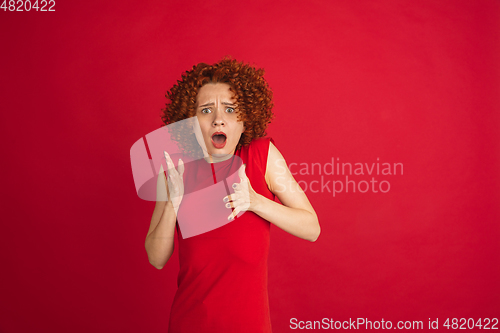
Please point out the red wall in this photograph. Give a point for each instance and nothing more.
(410, 82)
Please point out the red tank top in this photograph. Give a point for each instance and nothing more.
(222, 283)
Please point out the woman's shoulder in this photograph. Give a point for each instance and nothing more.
(261, 143)
(258, 148)
(256, 153)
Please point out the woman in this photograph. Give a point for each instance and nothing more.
(222, 283)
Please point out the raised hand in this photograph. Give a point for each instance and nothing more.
(175, 182)
(244, 197)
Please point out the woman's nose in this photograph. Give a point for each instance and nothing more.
(218, 119)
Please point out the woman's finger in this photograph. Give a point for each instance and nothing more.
(238, 211)
(230, 198)
(235, 186)
(236, 203)
(170, 164)
(180, 167)
(241, 172)
(233, 214)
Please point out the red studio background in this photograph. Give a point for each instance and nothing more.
(413, 83)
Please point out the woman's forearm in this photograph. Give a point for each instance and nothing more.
(160, 242)
(298, 222)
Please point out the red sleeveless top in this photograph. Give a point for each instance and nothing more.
(222, 282)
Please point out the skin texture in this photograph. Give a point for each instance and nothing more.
(216, 112)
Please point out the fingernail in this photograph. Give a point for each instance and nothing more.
(226, 199)
(228, 206)
(234, 185)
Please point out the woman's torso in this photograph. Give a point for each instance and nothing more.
(222, 283)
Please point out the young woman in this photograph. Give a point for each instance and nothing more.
(222, 283)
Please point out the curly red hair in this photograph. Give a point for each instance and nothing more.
(252, 94)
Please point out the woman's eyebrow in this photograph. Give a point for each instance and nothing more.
(211, 103)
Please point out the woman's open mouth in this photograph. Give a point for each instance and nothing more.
(219, 140)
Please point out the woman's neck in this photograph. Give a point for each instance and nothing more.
(217, 158)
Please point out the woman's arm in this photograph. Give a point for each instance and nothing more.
(296, 216)
(160, 238)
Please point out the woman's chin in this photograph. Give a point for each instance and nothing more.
(223, 153)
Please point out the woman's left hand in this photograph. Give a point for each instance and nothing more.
(244, 197)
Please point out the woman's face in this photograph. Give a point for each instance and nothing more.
(218, 119)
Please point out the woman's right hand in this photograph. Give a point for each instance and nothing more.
(175, 182)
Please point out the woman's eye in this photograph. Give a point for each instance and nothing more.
(205, 111)
(229, 110)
